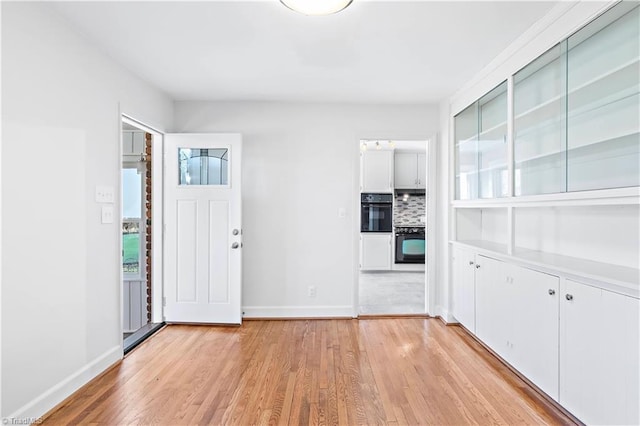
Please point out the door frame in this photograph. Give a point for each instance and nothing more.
(157, 228)
(430, 229)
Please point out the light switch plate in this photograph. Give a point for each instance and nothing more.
(105, 194)
(107, 214)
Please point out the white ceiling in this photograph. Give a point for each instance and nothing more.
(373, 52)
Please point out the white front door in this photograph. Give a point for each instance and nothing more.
(203, 235)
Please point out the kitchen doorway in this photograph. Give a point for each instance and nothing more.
(393, 228)
(140, 186)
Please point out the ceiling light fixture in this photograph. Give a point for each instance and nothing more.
(392, 144)
(363, 146)
(316, 7)
(378, 146)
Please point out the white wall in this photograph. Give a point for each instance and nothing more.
(61, 296)
(300, 165)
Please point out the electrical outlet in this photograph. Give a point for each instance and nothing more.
(311, 291)
(107, 214)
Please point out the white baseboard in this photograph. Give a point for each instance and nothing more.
(445, 315)
(46, 401)
(297, 311)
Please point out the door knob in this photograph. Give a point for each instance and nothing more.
(477, 266)
(569, 296)
(552, 292)
(470, 262)
(235, 245)
(235, 232)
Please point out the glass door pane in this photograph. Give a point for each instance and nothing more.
(492, 143)
(603, 102)
(539, 103)
(466, 153)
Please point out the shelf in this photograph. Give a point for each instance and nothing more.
(483, 247)
(574, 148)
(599, 197)
(479, 136)
(616, 278)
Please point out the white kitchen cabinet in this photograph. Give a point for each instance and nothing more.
(599, 373)
(464, 291)
(410, 170)
(375, 251)
(517, 317)
(376, 171)
(534, 321)
(494, 303)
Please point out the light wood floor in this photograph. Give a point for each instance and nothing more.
(334, 372)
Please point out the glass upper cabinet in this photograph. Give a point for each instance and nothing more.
(481, 147)
(539, 109)
(492, 143)
(466, 152)
(603, 103)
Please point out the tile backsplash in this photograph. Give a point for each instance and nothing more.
(409, 212)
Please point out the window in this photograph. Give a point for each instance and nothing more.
(132, 224)
(201, 166)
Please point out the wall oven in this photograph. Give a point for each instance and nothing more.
(376, 212)
(410, 244)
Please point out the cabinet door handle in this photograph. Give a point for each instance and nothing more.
(470, 262)
(552, 292)
(477, 266)
(568, 296)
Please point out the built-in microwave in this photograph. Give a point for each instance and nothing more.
(376, 212)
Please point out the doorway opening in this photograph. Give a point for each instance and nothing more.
(393, 228)
(140, 285)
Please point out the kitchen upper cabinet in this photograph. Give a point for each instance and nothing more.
(464, 288)
(375, 252)
(599, 341)
(376, 171)
(410, 170)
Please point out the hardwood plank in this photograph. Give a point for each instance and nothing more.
(392, 371)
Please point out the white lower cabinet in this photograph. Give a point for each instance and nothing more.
(375, 252)
(517, 316)
(599, 355)
(534, 341)
(577, 342)
(464, 302)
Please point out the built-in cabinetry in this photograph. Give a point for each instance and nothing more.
(376, 171)
(464, 287)
(375, 251)
(410, 170)
(545, 205)
(517, 316)
(599, 354)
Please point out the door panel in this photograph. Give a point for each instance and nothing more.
(203, 243)
(535, 327)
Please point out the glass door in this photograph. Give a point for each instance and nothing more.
(539, 103)
(603, 102)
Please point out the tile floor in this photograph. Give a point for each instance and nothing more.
(393, 292)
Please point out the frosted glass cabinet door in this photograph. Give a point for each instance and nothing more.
(539, 102)
(466, 153)
(492, 143)
(603, 101)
